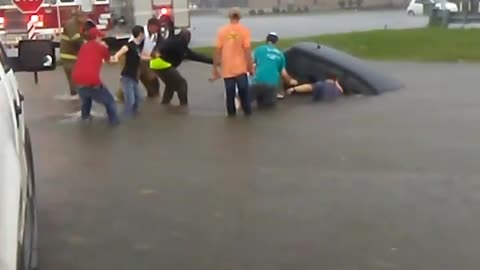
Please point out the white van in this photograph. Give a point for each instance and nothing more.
(18, 220)
(416, 7)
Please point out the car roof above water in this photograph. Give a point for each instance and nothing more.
(358, 68)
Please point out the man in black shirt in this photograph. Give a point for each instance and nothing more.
(147, 77)
(129, 75)
(174, 50)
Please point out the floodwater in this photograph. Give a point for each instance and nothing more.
(386, 182)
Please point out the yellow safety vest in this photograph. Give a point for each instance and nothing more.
(67, 56)
(70, 40)
(159, 64)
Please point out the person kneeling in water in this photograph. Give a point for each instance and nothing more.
(327, 90)
(270, 64)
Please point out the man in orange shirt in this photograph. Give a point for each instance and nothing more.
(233, 53)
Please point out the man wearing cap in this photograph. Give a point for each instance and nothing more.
(233, 53)
(71, 40)
(86, 76)
(269, 70)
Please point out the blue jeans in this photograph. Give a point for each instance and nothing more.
(131, 95)
(325, 91)
(101, 95)
(231, 85)
(264, 94)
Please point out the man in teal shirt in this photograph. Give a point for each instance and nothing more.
(269, 72)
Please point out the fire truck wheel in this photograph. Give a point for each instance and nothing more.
(166, 28)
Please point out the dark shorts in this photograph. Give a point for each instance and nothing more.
(325, 91)
(264, 94)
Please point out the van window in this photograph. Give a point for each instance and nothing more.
(301, 67)
(354, 86)
(4, 59)
(318, 70)
(295, 62)
(67, 1)
(328, 68)
(310, 69)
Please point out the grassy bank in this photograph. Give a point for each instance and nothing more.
(424, 44)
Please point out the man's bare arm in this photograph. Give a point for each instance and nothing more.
(287, 78)
(120, 53)
(216, 57)
(248, 52)
(216, 63)
(304, 88)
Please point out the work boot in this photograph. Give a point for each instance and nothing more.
(67, 97)
(153, 95)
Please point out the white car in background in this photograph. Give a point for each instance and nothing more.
(416, 7)
(18, 217)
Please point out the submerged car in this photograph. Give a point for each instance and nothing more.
(309, 62)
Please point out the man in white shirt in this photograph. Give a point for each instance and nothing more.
(151, 35)
(148, 78)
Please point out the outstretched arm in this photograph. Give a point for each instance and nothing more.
(198, 57)
(303, 88)
(119, 54)
(287, 78)
(217, 54)
(216, 63)
(247, 46)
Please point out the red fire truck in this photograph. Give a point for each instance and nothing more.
(114, 16)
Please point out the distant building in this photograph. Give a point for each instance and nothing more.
(283, 3)
(263, 3)
(315, 4)
(230, 3)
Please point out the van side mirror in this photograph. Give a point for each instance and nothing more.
(36, 55)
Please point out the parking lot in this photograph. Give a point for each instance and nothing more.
(386, 182)
(204, 27)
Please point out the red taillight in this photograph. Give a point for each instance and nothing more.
(163, 11)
